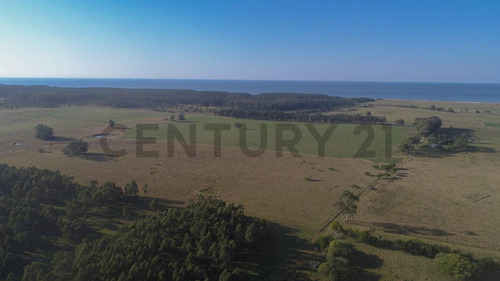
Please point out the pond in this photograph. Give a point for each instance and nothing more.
(100, 136)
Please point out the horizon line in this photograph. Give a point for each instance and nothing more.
(260, 80)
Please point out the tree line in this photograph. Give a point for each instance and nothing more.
(299, 116)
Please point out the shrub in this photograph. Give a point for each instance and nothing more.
(337, 269)
(457, 266)
(337, 226)
(400, 122)
(44, 132)
(339, 249)
(308, 179)
(76, 147)
(323, 242)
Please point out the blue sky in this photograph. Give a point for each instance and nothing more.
(400, 40)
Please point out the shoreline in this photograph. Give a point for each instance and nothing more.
(356, 89)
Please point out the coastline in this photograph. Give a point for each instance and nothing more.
(402, 91)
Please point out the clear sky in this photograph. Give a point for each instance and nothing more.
(402, 40)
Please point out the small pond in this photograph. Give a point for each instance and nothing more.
(100, 136)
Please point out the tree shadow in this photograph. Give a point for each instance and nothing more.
(367, 276)
(169, 202)
(59, 138)
(363, 261)
(455, 132)
(470, 233)
(408, 229)
(100, 157)
(490, 272)
(480, 149)
(275, 258)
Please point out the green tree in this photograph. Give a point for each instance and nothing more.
(131, 189)
(336, 270)
(11, 277)
(459, 267)
(347, 203)
(460, 143)
(44, 132)
(427, 126)
(181, 116)
(154, 205)
(250, 233)
(76, 147)
(400, 122)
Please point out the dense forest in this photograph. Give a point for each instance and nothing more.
(45, 96)
(52, 228)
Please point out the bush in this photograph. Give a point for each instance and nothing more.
(400, 122)
(427, 126)
(336, 226)
(337, 270)
(337, 266)
(76, 147)
(44, 132)
(339, 249)
(457, 266)
(323, 241)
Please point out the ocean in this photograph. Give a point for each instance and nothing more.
(470, 92)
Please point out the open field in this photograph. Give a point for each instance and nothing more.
(268, 186)
(454, 198)
(393, 110)
(451, 198)
(343, 142)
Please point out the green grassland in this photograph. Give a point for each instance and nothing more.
(71, 121)
(343, 142)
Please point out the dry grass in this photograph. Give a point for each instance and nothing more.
(452, 198)
(269, 187)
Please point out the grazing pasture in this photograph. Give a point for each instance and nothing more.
(446, 197)
(343, 141)
(268, 186)
(442, 198)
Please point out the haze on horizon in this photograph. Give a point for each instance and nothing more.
(425, 41)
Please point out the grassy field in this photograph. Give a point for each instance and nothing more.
(268, 186)
(454, 197)
(343, 141)
(448, 198)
